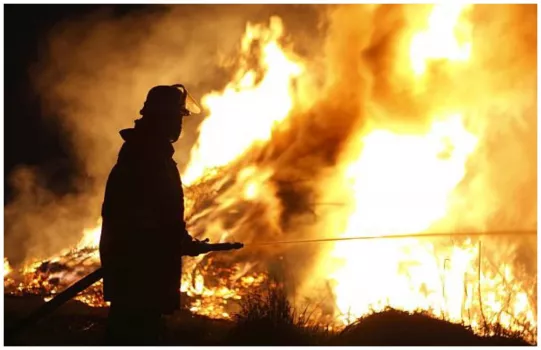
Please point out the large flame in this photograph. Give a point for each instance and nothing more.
(402, 183)
(250, 106)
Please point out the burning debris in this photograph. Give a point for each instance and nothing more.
(208, 291)
(401, 136)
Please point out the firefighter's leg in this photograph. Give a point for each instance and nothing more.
(133, 325)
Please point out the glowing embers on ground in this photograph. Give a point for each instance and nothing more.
(214, 290)
(210, 289)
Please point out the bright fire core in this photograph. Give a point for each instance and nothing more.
(394, 180)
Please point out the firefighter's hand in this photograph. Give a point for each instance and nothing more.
(196, 247)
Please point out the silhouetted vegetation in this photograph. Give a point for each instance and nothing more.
(265, 318)
(268, 313)
(395, 327)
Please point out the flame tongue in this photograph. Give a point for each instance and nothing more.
(407, 178)
(444, 38)
(250, 106)
(7, 268)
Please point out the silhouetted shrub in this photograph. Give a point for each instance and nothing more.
(268, 318)
(395, 327)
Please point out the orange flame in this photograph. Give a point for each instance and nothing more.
(403, 182)
(444, 38)
(91, 237)
(7, 267)
(250, 106)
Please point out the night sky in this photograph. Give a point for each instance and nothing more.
(31, 138)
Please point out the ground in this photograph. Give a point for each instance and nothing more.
(77, 324)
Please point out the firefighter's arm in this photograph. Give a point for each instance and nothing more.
(196, 247)
(192, 246)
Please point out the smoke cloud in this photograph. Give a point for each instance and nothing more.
(97, 69)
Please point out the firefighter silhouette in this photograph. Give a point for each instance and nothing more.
(144, 231)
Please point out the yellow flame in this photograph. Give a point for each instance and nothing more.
(400, 183)
(91, 237)
(7, 267)
(444, 38)
(248, 109)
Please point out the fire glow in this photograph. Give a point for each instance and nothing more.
(396, 182)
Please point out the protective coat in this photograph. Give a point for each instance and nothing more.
(143, 225)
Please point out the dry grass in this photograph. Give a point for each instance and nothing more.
(268, 318)
(265, 318)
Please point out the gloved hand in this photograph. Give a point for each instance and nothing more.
(195, 247)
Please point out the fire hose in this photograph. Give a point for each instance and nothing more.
(95, 276)
(405, 236)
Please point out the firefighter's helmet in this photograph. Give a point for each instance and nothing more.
(170, 100)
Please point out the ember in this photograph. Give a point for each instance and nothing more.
(389, 176)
